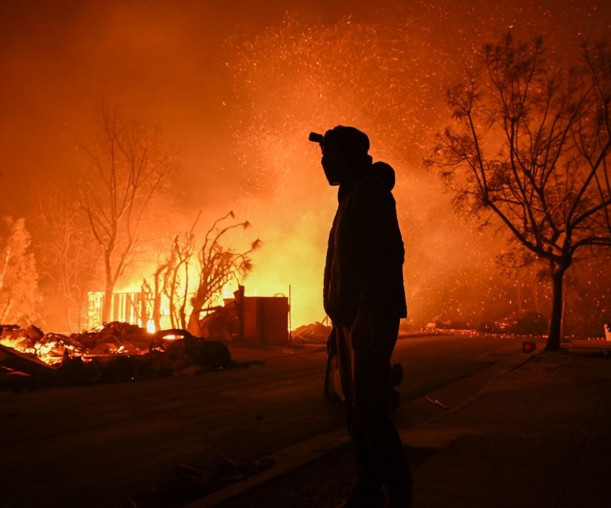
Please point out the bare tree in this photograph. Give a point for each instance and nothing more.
(19, 297)
(171, 280)
(217, 266)
(178, 277)
(66, 256)
(128, 163)
(530, 148)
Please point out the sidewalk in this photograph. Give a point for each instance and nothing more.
(538, 434)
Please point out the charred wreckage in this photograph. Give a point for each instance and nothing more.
(116, 352)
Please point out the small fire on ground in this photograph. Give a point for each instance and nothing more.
(116, 352)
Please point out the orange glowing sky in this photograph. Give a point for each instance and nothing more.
(238, 85)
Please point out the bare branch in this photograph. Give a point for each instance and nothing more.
(549, 185)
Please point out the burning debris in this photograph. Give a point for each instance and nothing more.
(116, 352)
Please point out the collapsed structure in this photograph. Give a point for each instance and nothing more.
(120, 351)
(117, 352)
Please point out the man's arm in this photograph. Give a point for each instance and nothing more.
(380, 250)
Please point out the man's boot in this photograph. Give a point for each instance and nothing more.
(365, 495)
(400, 492)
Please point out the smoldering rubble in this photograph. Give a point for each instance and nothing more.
(116, 352)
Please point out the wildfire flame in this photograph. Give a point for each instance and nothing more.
(49, 351)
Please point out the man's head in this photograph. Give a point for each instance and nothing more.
(344, 153)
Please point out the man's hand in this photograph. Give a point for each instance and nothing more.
(362, 330)
(332, 342)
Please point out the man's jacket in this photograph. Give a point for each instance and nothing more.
(364, 263)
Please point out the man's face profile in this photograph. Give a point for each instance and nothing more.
(334, 163)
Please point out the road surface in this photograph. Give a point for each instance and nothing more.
(97, 445)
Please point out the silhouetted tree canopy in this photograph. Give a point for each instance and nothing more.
(528, 149)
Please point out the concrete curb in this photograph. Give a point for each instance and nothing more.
(285, 460)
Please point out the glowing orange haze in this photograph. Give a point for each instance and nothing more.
(239, 88)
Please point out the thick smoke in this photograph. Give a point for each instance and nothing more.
(239, 87)
(386, 75)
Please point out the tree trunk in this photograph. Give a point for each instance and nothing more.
(556, 320)
(108, 290)
(196, 308)
(157, 302)
(107, 306)
(183, 316)
(193, 325)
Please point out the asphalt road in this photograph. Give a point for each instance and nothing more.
(98, 445)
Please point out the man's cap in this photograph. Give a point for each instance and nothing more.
(349, 139)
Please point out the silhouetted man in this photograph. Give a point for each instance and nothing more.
(365, 299)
